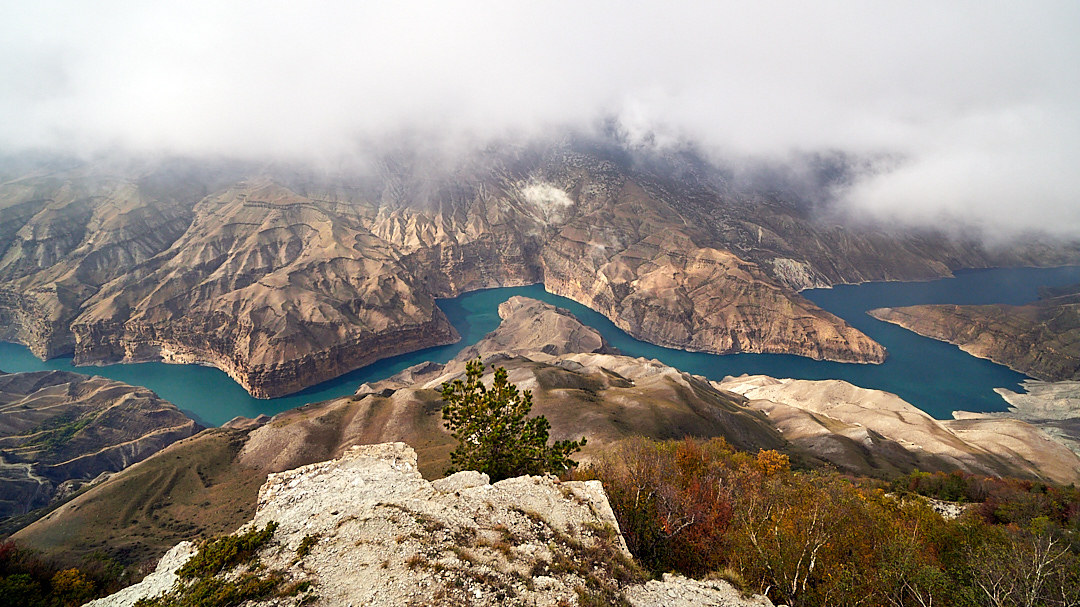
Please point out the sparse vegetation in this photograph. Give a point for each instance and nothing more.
(56, 432)
(306, 545)
(494, 435)
(223, 553)
(208, 579)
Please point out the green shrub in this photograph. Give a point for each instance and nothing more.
(206, 579)
(226, 552)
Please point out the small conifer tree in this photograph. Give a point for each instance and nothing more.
(494, 435)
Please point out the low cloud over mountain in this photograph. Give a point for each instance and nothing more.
(965, 110)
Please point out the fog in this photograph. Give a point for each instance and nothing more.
(959, 110)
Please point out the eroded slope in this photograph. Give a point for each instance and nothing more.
(285, 277)
(61, 430)
(1040, 339)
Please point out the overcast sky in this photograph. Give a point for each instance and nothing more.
(977, 102)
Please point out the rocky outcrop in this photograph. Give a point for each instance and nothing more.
(875, 432)
(367, 529)
(1041, 339)
(1052, 406)
(676, 591)
(529, 326)
(61, 429)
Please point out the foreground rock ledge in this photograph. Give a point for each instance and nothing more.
(386, 536)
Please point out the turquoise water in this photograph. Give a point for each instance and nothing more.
(934, 376)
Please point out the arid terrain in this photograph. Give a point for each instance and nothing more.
(1040, 339)
(368, 529)
(209, 483)
(60, 431)
(284, 277)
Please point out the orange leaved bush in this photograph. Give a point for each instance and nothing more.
(817, 537)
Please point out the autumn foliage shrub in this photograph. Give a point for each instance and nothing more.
(999, 500)
(28, 579)
(819, 538)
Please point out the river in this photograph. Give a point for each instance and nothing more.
(936, 377)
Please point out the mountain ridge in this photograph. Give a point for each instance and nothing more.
(285, 278)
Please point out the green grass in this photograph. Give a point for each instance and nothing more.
(56, 432)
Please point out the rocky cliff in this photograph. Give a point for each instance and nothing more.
(61, 430)
(209, 483)
(1041, 339)
(283, 277)
(367, 529)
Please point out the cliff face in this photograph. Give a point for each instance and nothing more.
(666, 290)
(284, 278)
(278, 291)
(63, 237)
(1041, 339)
(367, 529)
(60, 430)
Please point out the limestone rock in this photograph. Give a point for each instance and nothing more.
(678, 591)
(157, 583)
(377, 533)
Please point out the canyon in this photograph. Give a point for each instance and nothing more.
(209, 483)
(284, 277)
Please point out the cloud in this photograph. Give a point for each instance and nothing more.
(550, 200)
(979, 103)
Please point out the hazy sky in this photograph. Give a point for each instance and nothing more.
(976, 103)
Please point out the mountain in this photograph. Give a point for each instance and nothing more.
(209, 483)
(284, 277)
(60, 431)
(1040, 339)
(877, 433)
(367, 529)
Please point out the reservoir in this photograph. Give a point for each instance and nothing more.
(934, 376)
